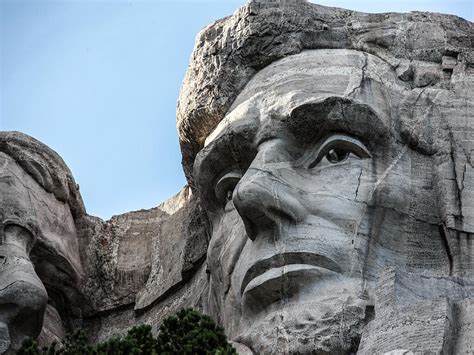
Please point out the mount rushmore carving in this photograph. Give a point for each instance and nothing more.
(329, 206)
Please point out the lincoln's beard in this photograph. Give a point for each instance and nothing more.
(329, 325)
(302, 298)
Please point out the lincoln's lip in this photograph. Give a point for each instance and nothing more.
(284, 259)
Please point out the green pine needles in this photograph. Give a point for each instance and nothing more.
(188, 332)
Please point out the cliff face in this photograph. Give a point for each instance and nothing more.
(414, 72)
(330, 206)
(139, 260)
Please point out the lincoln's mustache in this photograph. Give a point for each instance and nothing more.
(286, 259)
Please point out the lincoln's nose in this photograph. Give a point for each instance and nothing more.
(263, 198)
(23, 297)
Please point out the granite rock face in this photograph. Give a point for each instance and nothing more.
(326, 146)
(330, 206)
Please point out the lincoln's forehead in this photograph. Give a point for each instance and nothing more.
(313, 73)
(308, 77)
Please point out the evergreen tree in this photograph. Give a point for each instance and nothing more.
(189, 332)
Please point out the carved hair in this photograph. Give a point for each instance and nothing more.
(45, 166)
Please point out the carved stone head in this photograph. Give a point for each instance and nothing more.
(39, 253)
(323, 144)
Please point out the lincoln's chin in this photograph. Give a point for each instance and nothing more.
(324, 323)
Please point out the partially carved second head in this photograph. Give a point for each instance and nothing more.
(40, 265)
(323, 171)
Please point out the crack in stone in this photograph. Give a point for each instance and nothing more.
(358, 184)
(379, 181)
(362, 79)
(456, 177)
(443, 231)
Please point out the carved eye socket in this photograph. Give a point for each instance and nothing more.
(56, 300)
(336, 155)
(225, 187)
(339, 148)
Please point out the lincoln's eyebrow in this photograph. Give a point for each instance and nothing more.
(236, 143)
(313, 120)
(233, 146)
(270, 129)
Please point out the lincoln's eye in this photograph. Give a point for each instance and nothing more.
(336, 155)
(225, 186)
(336, 149)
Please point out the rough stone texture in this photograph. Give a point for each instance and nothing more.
(102, 326)
(421, 313)
(136, 258)
(330, 206)
(170, 269)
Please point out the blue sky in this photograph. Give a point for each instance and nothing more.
(98, 82)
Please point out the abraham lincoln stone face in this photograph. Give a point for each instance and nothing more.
(307, 182)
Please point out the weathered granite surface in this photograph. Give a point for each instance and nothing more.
(330, 206)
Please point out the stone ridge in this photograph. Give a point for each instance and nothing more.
(128, 259)
(231, 50)
(141, 266)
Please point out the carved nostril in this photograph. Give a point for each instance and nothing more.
(250, 229)
(250, 217)
(247, 204)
